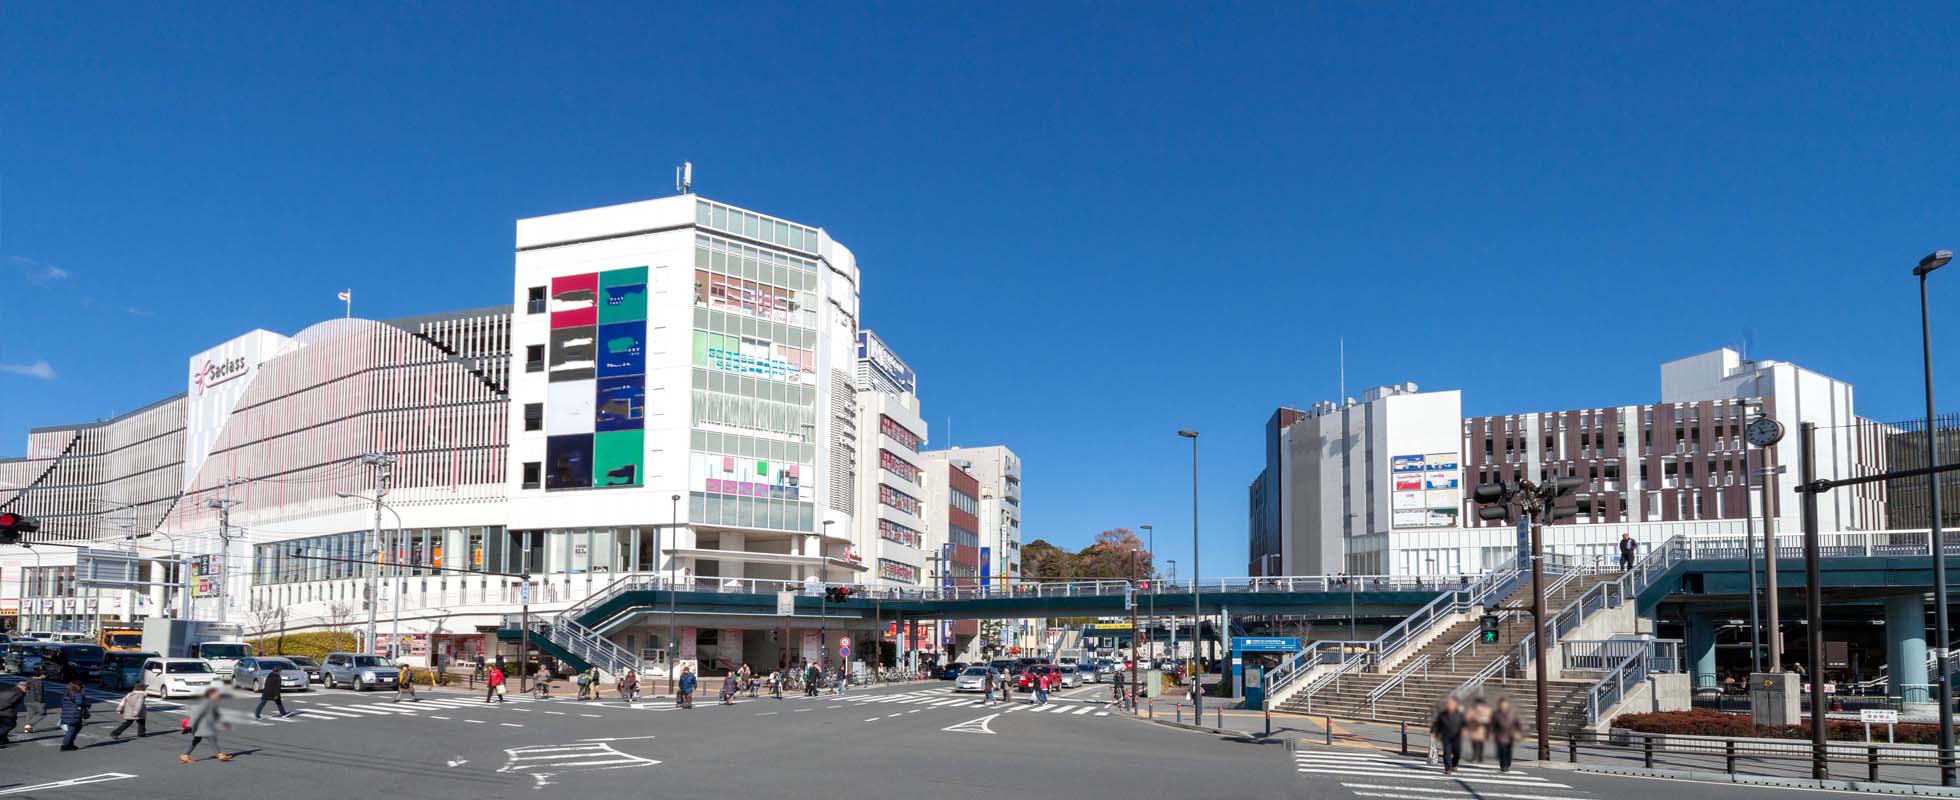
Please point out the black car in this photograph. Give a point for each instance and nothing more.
(952, 670)
(81, 662)
(307, 665)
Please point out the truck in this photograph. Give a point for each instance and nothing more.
(120, 637)
(215, 642)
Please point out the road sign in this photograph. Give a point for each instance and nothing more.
(786, 603)
(1524, 541)
(524, 594)
(844, 647)
(111, 569)
(1878, 716)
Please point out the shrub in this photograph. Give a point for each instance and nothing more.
(313, 644)
(1704, 722)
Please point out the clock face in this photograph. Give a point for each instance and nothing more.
(1764, 432)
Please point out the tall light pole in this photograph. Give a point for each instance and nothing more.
(1933, 261)
(823, 605)
(673, 647)
(1197, 611)
(1172, 563)
(1150, 536)
(374, 580)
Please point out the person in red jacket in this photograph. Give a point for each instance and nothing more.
(496, 684)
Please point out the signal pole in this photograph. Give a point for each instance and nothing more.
(1535, 505)
(223, 504)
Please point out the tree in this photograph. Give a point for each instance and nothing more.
(340, 615)
(1046, 562)
(268, 619)
(1109, 557)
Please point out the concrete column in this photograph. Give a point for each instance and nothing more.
(1905, 649)
(1701, 650)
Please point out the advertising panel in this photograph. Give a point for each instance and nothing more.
(574, 300)
(1428, 492)
(622, 349)
(872, 349)
(616, 458)
(218, 378)
(568, 461)
(568, 408)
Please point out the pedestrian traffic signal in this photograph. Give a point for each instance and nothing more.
(12, 526)
(1488, 629)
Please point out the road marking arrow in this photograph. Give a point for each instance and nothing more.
(973, 725)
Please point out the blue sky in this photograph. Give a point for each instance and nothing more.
(1085, 225)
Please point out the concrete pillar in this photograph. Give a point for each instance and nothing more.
(1701, 650)
(1905, 649)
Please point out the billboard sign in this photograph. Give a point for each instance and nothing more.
(872, 350)
(1428, 490)
(218, 379)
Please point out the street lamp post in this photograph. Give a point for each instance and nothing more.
(1197, 611)
(823, 605)
(1150, 535)
(673, 647)
(1933, 261)
(1172, 563)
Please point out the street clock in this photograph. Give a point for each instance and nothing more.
(1763, 432)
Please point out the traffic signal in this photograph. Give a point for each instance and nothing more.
(1557, 494)
(1493, 500)
(1488, 629)
(836, 594)
(13, 525)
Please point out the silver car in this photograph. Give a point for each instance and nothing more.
(252, 673)
(359, 671)
(974, 679)
(1071, 676)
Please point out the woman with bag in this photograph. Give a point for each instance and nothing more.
(494, 680)
(204, 723)
(133, 712)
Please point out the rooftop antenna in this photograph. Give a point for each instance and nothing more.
(1342, 397)
(684, 178)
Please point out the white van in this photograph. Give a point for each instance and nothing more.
(178, 677)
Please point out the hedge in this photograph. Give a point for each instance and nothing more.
(313, 644)
(1704, 722)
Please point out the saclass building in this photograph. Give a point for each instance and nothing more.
(674, 390)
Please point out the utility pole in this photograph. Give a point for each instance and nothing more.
(378, 464)
(1133, 636)
(223, 504)
(673, 647)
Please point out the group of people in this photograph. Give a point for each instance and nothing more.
(75, 709)
(1479, 723)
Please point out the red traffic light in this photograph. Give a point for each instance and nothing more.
(17, 523)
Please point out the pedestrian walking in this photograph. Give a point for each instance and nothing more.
(811, 678)
(495, 680)
(36, 691)
(730, 684)
(776, 681)
(1628, 547)
(1447, 732)
(987, 688)
(686, 699)
(204, 723)
(12, 699)
(1476, 724)
(74, 712)
(843, 677)
(133, 712)
(404, 684)
(747, 681)
(1504, 732)
(476, 674)
(1040, 688)
(272, 690)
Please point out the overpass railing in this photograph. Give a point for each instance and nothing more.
(1316, 584)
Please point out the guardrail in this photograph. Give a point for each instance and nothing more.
(1872, 756)
(1349, 664)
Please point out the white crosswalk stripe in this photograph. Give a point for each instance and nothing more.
(1385, 776)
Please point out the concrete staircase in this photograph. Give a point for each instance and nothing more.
(1421, 691)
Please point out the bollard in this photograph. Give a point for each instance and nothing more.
(1405, 738)
(1329, 723)
(1269, 723)
(1180, 713)
(1647, 754)
(1871, 762)
(1221, 718)
(1151, 710)
(1571, 750)
(1729, 754)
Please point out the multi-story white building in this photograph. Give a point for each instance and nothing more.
(672, 392)
(891, 523)
(1381, 485)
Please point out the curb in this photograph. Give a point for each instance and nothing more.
(1288, 742)
(1907, 789)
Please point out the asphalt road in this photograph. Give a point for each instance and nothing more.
(910, 741)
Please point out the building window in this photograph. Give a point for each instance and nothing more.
(534, 358)
(533, 416)
(532, 470)
(899, 500)
(535, 302)
(898, 433)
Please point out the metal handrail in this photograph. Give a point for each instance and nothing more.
(1398, 680)
(1350, 663)
(1611, 688)
(1477, 681)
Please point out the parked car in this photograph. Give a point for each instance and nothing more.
(952, 671)
(307, 665)
(974, 679)
(359, 671)
(123, 669)
(81, 662)
(1004, 666)
(1045, 673)
(178, 677)
(252, 672)
(1071, 677)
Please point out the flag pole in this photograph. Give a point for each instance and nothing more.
(348, 298)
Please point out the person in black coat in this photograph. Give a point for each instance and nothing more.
(12, 699)
(1448, 733)
(271, 691)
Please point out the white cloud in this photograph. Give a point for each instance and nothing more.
(39, 369)
(36, 272)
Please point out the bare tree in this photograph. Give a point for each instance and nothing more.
(270, 619)
(340, 615)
